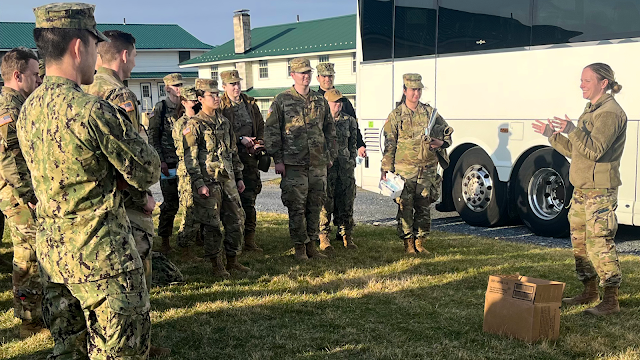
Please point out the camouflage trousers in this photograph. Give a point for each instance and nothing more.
(232, 216)
(207, 213)
(27, 289)
(142, 231)
(303, 193)
(414, 204)
(189, 227)
(169, 207)
(341, 193)
(104, 319)
(593, 225)
(253, 187)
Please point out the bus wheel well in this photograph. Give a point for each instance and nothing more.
(513, 211)
(447, 178)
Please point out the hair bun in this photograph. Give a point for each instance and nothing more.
(615, 87)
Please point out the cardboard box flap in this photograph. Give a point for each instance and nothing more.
(546, 291)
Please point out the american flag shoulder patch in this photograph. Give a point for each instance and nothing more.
(127, 106)
(5, 119)
(186, 131)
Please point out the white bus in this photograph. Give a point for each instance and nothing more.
(492, 67)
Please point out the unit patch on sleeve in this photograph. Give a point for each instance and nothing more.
(5, 119)
(127, 106)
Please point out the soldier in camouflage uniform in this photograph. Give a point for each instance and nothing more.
(118, 60)
(595, 146)
(413, 156)
(165, 113)
(341, 181)
(20, 73)
(211, 158)
(300, 135)
(248, 125)
(189, 227)
(81, 151)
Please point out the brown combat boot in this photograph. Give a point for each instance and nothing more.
(157, 351)
(588, 295)
(419, 248)
(165, 248)
(347, 240)
(186, 255)
(29, 328)
(312, 253)
(409, 246)
(233, 264)
(609, 304)
(325, 243)
(218, 268)
(250, 242)
(301, 252)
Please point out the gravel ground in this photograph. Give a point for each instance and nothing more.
(380, 210)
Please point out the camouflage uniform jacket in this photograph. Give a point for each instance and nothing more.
(108, 86)
(210, 152)
(595, 146)
(227, 107)
(403, 133)
(78, 145)
(300, 130)
(15, 184)
(160, 136)
(347, 138)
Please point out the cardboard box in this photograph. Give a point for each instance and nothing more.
(523, 307)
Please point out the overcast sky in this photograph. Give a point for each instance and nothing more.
(210, 21)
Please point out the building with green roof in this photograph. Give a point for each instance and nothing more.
(261, 55)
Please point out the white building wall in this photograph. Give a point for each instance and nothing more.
(151, 61)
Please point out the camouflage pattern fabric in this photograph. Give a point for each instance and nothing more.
(79, 145)
(303, 193)
(118, 327)
(232, 216)
(189, 228)
(300, 130)
(593, 226)
(414, 204)
(341, 182)
(68, 16)
(165, 272)
(404, 135)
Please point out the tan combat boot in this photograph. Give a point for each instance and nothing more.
(166, 246)
(325, 243)
(312, 253)
(301, 252)
(218, 268)
(409, 246)
(157, 351)
(29, 328)
(347, 240)
(588, 295)
(186, 255)
(250, 242)
(419, 248)
(233, 264)
(609, 304)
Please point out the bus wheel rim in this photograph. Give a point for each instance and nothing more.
(546, 193)
(477, 188)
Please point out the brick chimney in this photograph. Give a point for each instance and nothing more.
(241, 31)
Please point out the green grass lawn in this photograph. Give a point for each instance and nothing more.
(374, 303)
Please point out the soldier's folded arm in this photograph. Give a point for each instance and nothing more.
(329, 130)
(606, 128)
(390, 144)
(273, 133)
(190, 146)
(126, 150)
(238, 166)
(561, 144)
(154, 130)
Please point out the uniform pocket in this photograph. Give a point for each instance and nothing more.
(605, 222)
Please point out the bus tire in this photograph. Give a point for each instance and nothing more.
(543, 192)
(478, 195)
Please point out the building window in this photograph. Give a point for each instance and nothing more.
(323, 59)
(263, 65)
(146, 91)
(264, 107)
(214, 72)
(354, 65)
(183, 56)
(161, 90)
(289, 67)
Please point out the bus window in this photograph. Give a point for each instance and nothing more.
(483, 25)
(376, 27)
(564, 21)
(415, 28)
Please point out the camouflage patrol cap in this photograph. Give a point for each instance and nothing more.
(207, 85)
(300, 65)
(333, 95)
(41, 68)
(68, 16)
(174, 79)
(412, 81)
(230, 76)
(325, 69)
(189, 93)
